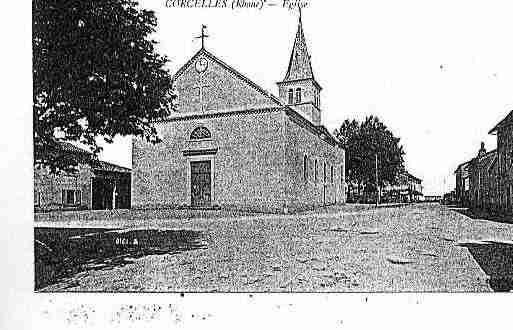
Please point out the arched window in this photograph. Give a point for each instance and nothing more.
(201, 133)
(298, 95)
(305, 167)
(291, 96)
(331, 173)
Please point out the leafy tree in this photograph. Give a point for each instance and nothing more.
(95, 74)
(362, 142)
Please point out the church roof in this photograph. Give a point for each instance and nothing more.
(506, 121)
(300, 66)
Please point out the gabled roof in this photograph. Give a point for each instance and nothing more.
(204, 52)
(505, 122)
(109, 167)
(300, 66)
(96, 164)
(68, 147)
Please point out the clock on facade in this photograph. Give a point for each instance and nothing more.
(201, 65)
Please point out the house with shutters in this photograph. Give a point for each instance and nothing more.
(231, 144)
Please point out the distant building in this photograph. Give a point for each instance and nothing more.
(504, 132)
(462, 192)
(407, 190)
(95, 185)
(449, 198)
(432, 199)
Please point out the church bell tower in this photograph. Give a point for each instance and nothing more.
(299, 89)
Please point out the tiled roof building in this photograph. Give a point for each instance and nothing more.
(94, 185)
(408, 189)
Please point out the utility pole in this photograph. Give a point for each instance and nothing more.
(378, 193)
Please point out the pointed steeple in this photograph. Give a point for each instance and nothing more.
(300, 66)
(299, 90)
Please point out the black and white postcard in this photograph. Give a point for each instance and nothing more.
(292, 152)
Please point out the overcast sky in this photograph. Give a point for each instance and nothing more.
(438, 73)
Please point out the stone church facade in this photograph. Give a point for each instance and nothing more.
(233, 145)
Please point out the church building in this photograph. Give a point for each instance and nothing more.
(233, 145)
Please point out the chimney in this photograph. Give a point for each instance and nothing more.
(482, 150)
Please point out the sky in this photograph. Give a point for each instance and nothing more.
(438, 73)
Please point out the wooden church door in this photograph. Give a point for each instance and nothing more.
(201, 184)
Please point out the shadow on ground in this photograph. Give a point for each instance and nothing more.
(60, 253)
(482, 215)
(496, 260)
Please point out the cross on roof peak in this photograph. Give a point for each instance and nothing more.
(203, 35)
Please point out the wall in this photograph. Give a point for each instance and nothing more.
(505, 150)
(483, 173)
(463, 185)
(50, 186)
(247, 168)
(304, 194)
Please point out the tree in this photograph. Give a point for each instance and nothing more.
(95, 74)
(362, 142)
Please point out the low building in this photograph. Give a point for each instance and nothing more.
(432, 199)
(504, 132)
(449, 198)
(407, 190)
(95, 185)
